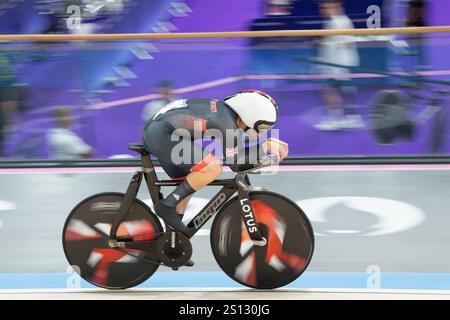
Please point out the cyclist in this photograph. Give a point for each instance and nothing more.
(248, 113)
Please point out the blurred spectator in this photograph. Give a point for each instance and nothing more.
(8, 99)
(165, 89)
(416, 14)
(63, 142)
(416, 17)
(342, 51)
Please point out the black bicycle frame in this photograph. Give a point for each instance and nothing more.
(240, 183)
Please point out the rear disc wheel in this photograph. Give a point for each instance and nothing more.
(86, 242)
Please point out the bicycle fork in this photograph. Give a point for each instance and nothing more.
(247, 211)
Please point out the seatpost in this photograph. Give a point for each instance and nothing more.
(151, 178)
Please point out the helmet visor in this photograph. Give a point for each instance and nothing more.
(263, 125)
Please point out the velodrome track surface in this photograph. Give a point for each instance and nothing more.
(381, 233)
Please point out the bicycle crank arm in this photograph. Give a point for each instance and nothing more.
(141, 258)
(131, 244)
(160, 263)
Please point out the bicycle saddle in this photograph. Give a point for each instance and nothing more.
(139, 148)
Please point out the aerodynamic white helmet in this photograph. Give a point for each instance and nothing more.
(255, 108)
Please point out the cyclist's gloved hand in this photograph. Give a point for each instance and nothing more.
(277, 147)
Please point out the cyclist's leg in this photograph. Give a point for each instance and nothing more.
(157, 140)
(202, 174)
(199, 175)
(181, 207)
(172, 207)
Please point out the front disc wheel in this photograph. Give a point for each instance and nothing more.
(282, 259)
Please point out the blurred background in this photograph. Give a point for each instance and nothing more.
(340, 98)
(79, 99)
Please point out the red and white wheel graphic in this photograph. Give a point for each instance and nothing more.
(86, 235)
(289, 248)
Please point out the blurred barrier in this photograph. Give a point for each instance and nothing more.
(318, 162)
(231, 34)
(108, 100)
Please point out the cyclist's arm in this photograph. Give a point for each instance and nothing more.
(236, 153)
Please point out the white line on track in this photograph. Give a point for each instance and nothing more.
(223, 294)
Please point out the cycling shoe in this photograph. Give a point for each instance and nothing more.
(190, 263)
(171, 218)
